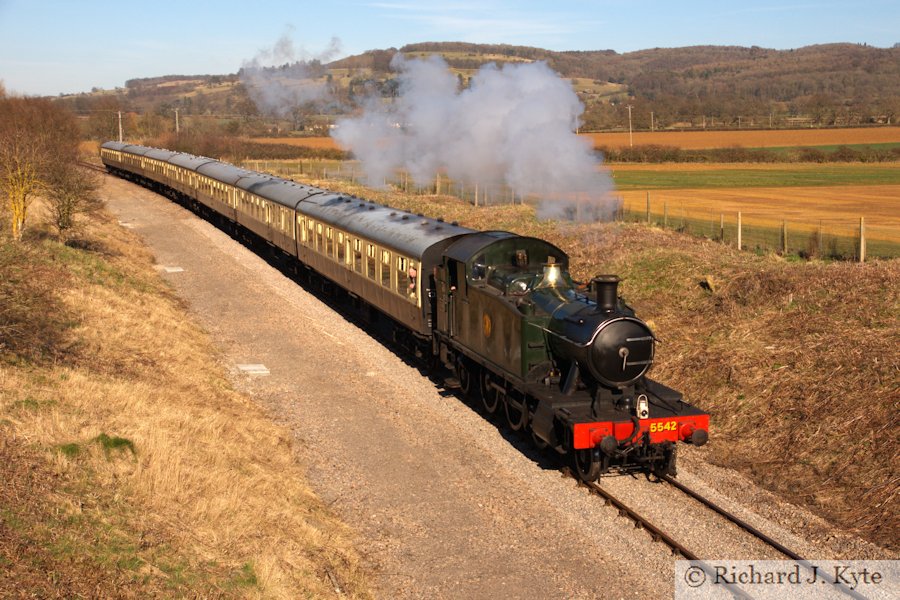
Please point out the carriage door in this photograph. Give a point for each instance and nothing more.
(457, 301)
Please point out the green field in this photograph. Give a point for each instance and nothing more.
(828, 148)
(787, 176)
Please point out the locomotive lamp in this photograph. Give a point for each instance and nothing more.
(552, 274)
(643, 407)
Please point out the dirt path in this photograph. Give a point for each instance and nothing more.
(444, 504)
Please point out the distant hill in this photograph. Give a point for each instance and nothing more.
(828, 84)
(692, 87)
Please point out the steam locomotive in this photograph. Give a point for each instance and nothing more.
(499, 309)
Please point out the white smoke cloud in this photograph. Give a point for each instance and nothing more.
(513, 125)
(282, 78)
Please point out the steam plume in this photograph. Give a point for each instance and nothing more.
(282, 78)
(513, 125)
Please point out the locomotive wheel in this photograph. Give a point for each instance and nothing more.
(516, 418)
(467, 373)
(587, 464)
(490, 397)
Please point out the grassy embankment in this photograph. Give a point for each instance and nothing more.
(128, 465)
(797, 361)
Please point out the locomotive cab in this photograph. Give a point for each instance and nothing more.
(484, 309)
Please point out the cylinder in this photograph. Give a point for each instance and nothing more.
(607, 288)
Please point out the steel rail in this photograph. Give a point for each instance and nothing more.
(92, 166)
(733, 518)
(753, 531)
(656, 533)
(641, 521)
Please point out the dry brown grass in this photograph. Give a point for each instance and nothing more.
(697, 140)
(798, 362)
(212, 502)
(89, 148)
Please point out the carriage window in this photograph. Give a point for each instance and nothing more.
(402, 276)
(329, 241)
(319, 243)
(413, 273)
(309, 232)
(357, 256)
(370, 261)
(385, 268)
(341, 247)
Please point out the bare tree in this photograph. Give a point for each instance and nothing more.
(34, 134)
(71, 191)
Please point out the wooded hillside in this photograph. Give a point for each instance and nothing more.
(668, 88)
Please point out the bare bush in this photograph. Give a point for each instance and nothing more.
(71, 191)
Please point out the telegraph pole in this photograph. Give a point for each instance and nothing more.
(630, 135)
(652, 128)
(177, 128)
(120, 125)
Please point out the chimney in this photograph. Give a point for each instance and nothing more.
(607, 288)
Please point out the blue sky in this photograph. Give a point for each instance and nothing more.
(51, 47)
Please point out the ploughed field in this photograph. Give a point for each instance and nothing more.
(696, 140)
(755, 138)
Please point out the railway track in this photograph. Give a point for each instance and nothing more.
(659, 535)
(680, 549)
(91, 166)
(734, 519)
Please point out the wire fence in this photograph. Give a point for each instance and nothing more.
(759, 231)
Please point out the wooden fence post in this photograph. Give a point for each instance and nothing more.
(476, 203)
(862, 239)
(739, 230)
(648, 207)
(722, 227)
(784, 240)
(819, 239)
(665, 215)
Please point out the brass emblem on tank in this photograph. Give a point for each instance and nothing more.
(486, 325)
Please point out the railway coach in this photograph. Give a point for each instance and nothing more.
(498, 308)
(372, 251)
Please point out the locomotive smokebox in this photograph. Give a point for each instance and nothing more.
(607, 288)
